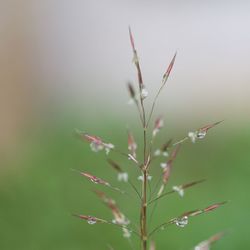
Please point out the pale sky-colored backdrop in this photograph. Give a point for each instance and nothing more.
(61, 54)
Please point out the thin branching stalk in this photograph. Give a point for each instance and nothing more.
(143, 215)
(147, 196)
(153, 105)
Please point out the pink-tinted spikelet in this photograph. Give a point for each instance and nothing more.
(214, 206)
(167, 167)
(96, 143)
(115, 166)
(180, 189)
(205, 245)
(119, 217)
(131, 91)
(132, 146)
(132, 40)
(207, 127)
(182, 220)
(92, 138)
(205, 210)
(122, 176)
(158, 125)
(90, 219)
(95, 179)
(136, 61)
(169, 69)
(152, 245)
(166, 170)
(201, 132)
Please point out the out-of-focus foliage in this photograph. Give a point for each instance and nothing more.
(39, 193)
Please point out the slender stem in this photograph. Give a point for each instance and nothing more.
(153, 106)
(159, 197)
(143, 213)
(163, 225)
(157, 185)
(155, 205)
(144, 131)
(181, 141)
(145, 144)
(152, 213)
(135, 189)
(139, 110)
(185, 186)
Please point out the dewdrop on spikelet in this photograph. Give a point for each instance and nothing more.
(144, 92)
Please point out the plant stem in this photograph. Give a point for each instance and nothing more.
(143, 214)
(153, 106)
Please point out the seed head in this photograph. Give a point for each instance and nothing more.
(205, 245)
(158, 125)
(90, 219)
(95, 179)
(167, 168)
(168, 71)
(136, 59)
(119, 217)
(122, 176)
(201, 132)
(132, 146)
(131, 91)
(152, 245)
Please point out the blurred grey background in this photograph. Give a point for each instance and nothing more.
(74, 54)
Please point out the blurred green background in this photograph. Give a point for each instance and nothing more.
(39, 192)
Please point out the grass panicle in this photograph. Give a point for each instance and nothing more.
(167, 155)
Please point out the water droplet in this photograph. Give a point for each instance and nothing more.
(91, 220)
(179, 190)
(144, 92)
(95, 180)
(157, 152)
(108, 147)
(140, 178)
(192, 136)
(131, 101)
(135, 59)
(123, 176)
(126, 233)
(96, 146)
(163, 165)
(201, 134)
(149, 177)
(181, 222)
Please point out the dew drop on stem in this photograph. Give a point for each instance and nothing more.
(201, 134)
(91, 221)
(181, 222)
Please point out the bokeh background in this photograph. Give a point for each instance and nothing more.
(64, 65)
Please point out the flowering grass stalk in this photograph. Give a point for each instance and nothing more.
(168, 151)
